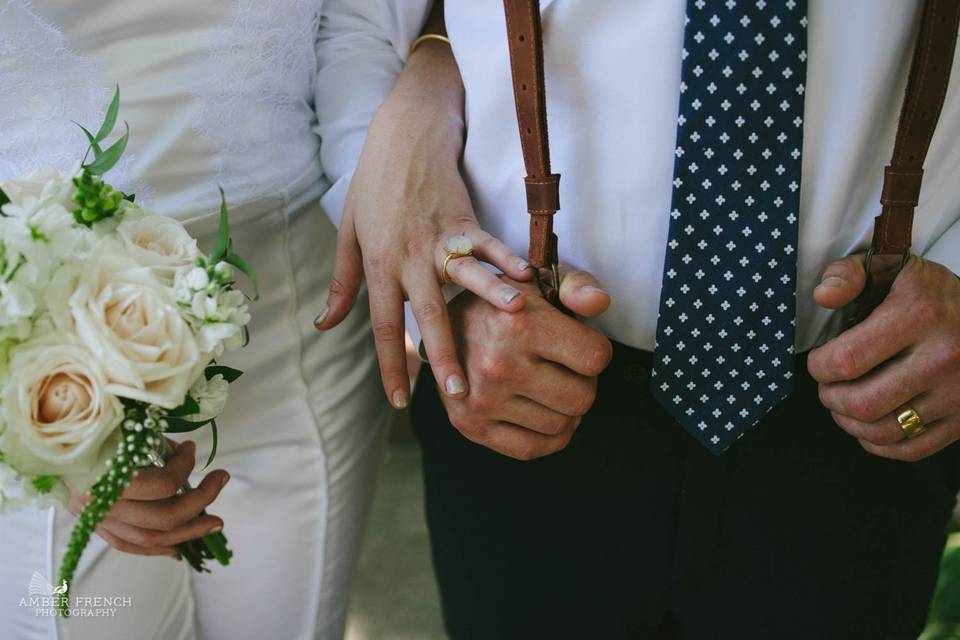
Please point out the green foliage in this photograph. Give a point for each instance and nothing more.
(136, 444)
(223, 251)
(96, 200)
(4, 198)
(943, 622)
(44, 484)
(230, 375)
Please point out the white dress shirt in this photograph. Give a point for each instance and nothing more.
(612, 81)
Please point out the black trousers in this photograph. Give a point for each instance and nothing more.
(636, 531)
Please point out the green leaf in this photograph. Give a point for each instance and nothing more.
(228, 373)
(179, 425)
(245, 269)
(129, 197)
(217, 545)
(110, 157)
(223, 233)
(43, 484)
(94, 144)
(189, 407)
(213, 448)
(110, 119)
(4, 198)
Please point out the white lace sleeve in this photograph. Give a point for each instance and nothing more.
(361, 47)
(47, 87)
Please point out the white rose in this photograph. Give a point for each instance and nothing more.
(131, 322)
(59, 415)
(160, 243)
(45, 183)
(211, 395)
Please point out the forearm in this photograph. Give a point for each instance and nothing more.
(425, 108)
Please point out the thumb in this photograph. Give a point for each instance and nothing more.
(843, 280)
(581, 293)
(345, 281)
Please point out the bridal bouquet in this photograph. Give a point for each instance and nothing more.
(110, 322)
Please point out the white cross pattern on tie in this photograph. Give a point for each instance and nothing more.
(729, 290)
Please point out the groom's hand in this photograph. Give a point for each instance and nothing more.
(906, 352)
(532, 373)
(151, 519)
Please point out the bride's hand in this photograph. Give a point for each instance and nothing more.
(407, 198)
(150, 519)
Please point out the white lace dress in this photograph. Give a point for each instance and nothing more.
(237, 93)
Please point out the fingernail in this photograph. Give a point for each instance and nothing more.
(400, 399)
(216, 529)
(589, 288)
(509, 295)
(523, 265)
(455, 385)
(226, 479)
(321, 318)
(832, 282)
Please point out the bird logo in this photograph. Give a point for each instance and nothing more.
(40, 586)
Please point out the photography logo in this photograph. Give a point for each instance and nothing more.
(44, 599)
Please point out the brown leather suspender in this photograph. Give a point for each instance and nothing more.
(926, 91)
(923, 101)
(543, 187)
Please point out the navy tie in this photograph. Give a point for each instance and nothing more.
(725, 334)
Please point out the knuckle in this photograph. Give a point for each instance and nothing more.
(526, 453)
(927, 311)
(377, 262)
(167, 485)
(429, 311)
(585, 401)
(481, 401)
(443, 360)
(844, 361)
(912, 455)
(512, 325)
(860, 407)
(387, 331)
(599, 358)
(336, 287)
(494, 368)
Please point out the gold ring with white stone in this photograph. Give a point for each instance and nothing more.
(457, 247)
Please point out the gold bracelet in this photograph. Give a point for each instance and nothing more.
(427, 36)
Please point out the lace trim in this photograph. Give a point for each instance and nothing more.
(255, 94)
(47, 86)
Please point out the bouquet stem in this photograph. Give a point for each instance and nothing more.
(212, 546)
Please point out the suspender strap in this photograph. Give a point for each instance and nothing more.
(525, 36)
(926, 91)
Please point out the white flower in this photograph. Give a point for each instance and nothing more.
(58, 414)
(46, 184)
(131, 322)
(197, 279)
(217, 313)
(158, 242)
(211, 395)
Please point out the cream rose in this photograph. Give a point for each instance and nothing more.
(158, 242)
(57, 411)
(131, 323)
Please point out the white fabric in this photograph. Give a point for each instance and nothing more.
(222, 91)
(612, 81)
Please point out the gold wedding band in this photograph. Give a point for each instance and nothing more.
(910, 422)
(457, 247)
